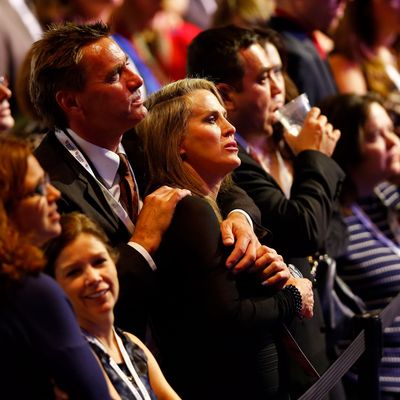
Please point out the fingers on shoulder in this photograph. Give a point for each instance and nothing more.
(166, 193)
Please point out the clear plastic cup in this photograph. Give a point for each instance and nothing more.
(292, 114)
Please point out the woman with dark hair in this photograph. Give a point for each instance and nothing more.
(369, 153)
(217, 331)
(83, 262)
(40, 341)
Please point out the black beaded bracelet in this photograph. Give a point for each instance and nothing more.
(298, 302)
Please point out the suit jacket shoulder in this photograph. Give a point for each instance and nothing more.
(81, 193)
(301, 222)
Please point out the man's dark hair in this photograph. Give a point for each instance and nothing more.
(56, 65)
(214, 54)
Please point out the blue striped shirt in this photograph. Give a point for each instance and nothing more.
(372, 269)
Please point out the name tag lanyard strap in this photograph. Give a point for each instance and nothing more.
(75, 152)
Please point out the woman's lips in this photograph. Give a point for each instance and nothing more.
(97, 294)
(231, 146)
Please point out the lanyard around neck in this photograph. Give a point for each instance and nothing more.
(75, 152)
(141, 392)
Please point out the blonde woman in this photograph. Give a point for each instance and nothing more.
(217, 330)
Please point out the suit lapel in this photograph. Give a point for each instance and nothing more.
(74, 181)
(248, 163)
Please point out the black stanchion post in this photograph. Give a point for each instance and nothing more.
(369, 362)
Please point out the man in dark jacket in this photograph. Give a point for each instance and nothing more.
(84, 89)
(234, 59)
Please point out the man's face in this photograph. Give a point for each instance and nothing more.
(111, 101)
(277, 81)
(253, 102)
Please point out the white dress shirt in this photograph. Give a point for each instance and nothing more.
(106, 163)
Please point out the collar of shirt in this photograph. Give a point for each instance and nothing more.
(105, 161)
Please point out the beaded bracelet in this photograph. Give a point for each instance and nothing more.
(298, 302)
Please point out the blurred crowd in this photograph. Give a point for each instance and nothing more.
(163, 234)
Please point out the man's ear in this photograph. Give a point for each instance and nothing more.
(67, 100)
(228, 95)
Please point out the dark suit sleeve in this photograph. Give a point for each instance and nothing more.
(233, 197)
(136, 289)
(231, 301)
(301, 222)
(81, 193)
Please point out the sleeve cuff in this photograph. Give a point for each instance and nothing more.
(145, 254)
(245, 214)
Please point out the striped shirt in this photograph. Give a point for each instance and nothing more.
(371, 267)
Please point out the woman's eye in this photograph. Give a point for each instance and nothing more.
(99, 261)
(263, 79)
(73, 272)
(372, 136)
(212, 119)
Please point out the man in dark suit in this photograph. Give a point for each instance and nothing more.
(246, 78)
(308, 67)
(83, 87)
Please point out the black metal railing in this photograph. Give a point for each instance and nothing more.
(367, 346)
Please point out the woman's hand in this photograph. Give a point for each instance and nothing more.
(270, 266)
(304, 286)
(236, 231)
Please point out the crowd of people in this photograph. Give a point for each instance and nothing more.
(160, 230)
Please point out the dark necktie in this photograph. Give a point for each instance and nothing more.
(128, 194)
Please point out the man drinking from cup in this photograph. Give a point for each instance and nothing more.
(251, 84)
